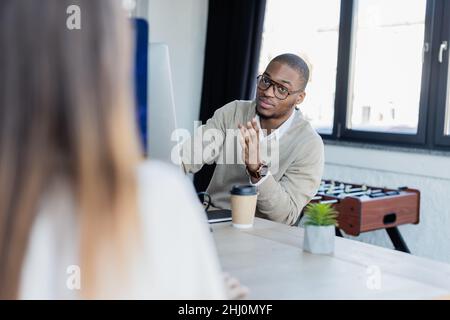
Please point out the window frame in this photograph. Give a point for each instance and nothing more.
(346, 53)
(442, 80)
(433, 84)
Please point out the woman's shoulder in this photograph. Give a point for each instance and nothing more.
(159, 176)
(157, 169)
(164, 188)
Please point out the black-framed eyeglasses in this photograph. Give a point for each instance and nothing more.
(280, 91)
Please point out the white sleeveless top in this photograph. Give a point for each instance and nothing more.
(178, 259)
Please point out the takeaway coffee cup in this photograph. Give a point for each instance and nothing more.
(243, 205)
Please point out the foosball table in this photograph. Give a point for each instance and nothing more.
(364, 208)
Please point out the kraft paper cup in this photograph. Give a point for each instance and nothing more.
(243, 206)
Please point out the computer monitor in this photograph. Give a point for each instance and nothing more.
(156, 116)
(141, 78)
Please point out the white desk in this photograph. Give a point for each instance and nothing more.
(270, 261)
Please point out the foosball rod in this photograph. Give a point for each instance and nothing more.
(329, 201)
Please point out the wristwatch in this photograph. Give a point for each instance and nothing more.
(261, 172)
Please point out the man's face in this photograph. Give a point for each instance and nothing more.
(267, 104)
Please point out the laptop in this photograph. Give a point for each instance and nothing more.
(217, 216)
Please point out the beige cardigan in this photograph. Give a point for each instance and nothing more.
(295, 175)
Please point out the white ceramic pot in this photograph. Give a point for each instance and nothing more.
(319, 240)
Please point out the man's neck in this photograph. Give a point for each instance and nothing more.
(271, 124)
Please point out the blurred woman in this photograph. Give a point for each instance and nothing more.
(80, 217)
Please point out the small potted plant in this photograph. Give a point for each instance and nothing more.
(320, 223)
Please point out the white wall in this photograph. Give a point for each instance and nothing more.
(181, 24)
(428, 173)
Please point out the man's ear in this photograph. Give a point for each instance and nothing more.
(300, 98)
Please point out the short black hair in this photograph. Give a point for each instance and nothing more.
(296, 63)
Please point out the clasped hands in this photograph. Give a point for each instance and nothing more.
(249, 140)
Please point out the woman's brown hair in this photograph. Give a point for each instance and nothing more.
(66, 108)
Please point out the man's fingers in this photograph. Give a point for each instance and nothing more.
(232, 282)
(242, 142)
(244, 149)
(242, 134)
(253, 135)
(255, 125)
(252, 132)
(244, 131)
(234, 288)
(245, 134)
(249, 131)
(240, 292)
(249, 141)
(243, 145)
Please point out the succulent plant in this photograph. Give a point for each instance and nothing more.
(320, 214)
